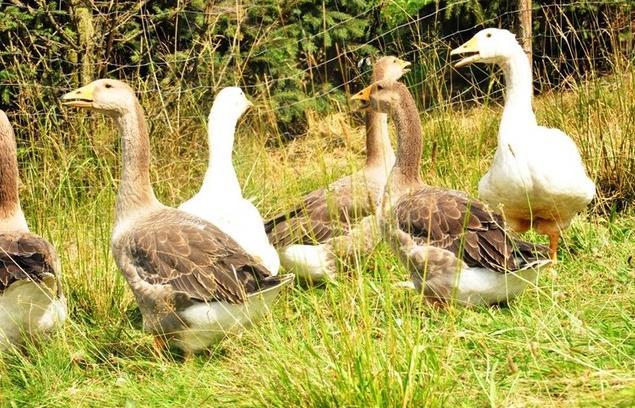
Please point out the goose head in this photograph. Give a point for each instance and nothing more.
(390, 67)
(489, 46)
(381, 96)
(105, 95)
(230, 103)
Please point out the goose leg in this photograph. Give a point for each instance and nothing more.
(554, 237)
(159, 346)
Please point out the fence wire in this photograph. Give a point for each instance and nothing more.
(436, 50)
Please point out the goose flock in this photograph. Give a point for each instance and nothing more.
(213, 266)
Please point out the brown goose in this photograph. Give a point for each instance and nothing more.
(455, 248)
(192, 282)
(329, 213)
(31, 298)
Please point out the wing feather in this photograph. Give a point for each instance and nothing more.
(323, 213)
(458, 224)
(194, 257)
(24, 255)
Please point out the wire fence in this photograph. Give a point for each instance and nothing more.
(583, 50)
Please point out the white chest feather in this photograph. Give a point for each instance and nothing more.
(27, 308)
(312, 263)
(210, 322)
(479, 286)
(539, 173)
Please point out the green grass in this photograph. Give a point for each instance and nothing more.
(358, 342)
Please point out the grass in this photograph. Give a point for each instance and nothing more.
(358, 342)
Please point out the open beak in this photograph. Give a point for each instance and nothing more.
(363, 96)
(404, 65)
(80, 98)
(470, 48)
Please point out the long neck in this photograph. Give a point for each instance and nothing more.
(135, 191)
(518, 110)
(220, 173)
(409, 145)
(11, 216)
(379, 152)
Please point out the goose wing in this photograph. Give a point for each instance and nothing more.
(323, 213)
(194, 257)
(458, 224)
(25, 256)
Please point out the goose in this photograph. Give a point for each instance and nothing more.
(31, 298)
(455, 248)
(193, 283)
(311, 235)
(220, 200)
(537, 177)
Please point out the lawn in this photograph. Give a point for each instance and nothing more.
(357, 342)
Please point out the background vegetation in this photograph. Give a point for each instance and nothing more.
(567, 342)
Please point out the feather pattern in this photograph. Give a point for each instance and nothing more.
(192, 256)
(25, 256)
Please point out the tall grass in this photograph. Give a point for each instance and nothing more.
(359, 342)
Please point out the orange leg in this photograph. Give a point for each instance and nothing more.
(160, 346)
(554, 237)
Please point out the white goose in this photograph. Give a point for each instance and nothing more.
(537, 178)
(31, 298)
(220, 200)
(193, 283)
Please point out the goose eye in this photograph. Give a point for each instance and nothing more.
(488, 35)
(108, 86)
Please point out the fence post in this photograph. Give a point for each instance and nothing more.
(524, 11)
(84, 14)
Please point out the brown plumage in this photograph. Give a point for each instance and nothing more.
(31, 295)
(25, 256)
(179, 267)
(463, 226)
(439, 233)
(192, 256)
(325, 213)
(329, 212)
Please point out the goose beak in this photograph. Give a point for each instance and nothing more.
(404, 65)
(80, 98)
(250, 104)
(363, 95)
(470, 48)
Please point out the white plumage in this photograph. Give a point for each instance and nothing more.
(220, 200)
(537, 178)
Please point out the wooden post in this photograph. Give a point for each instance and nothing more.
(524, 14)
(84, 14)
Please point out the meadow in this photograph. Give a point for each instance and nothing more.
(360, 342)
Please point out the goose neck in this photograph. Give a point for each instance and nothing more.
(409, 145)
(220, 169)
(518, 109)
(135, 190)
(9, 199)
(379, 152)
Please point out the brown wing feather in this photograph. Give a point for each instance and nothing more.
(24, 255)
(458, 224)
(323, 213)
(194, 257)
